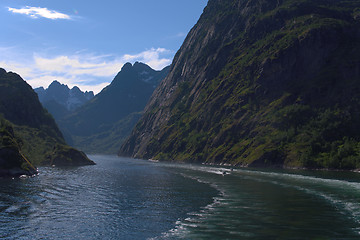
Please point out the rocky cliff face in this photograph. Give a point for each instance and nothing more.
(103, 123)
(28, 133)
(260, 83)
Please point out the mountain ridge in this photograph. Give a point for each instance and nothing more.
(29, 135)
(255, 83)
(100, 125)
(59, 99)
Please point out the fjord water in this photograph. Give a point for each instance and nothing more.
(122, 198)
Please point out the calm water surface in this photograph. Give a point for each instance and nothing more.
(121, 198)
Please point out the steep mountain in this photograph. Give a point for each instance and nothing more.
(12, 161)
(28, 133)
(102, 124)
(60, 100)
(260, 83)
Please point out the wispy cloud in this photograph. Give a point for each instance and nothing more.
(87, 71)
(36, 12)
(181, 34)
(178, 35)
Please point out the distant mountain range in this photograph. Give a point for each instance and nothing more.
(101, 124)
(29, 135)
(60, 100)
(262, 83)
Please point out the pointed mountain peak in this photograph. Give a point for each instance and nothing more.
(57, 84)
(138, 66)
(63, 95)
(126, 66)
(76, 89)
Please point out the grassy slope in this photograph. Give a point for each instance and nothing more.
(11, 156)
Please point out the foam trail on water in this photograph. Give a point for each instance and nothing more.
(343, 195)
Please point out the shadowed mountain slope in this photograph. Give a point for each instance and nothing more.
(28, 134)
(102, 124)
(260, 83)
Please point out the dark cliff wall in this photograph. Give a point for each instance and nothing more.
(20, 105)
(28, 133)
(260, 83)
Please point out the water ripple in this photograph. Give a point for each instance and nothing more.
(133, 199)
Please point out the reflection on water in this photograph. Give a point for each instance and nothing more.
(116, 199)
(132, 199)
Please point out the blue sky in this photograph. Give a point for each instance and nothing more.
(85, 43)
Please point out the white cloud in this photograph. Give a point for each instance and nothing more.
(87, 71)
(75, 65)
(36, 12)
(151, 57)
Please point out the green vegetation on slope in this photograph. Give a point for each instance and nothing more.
(29, 134)
(12, 160)
(279, 87)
